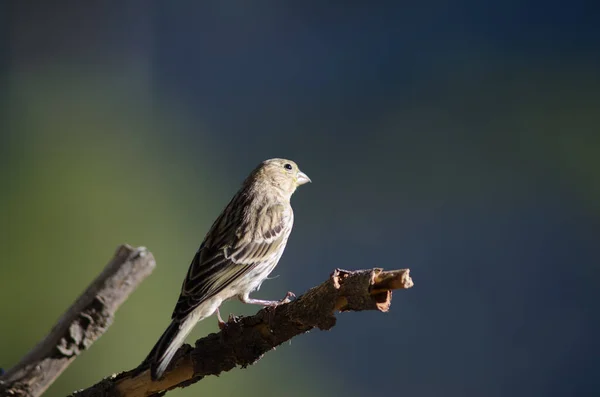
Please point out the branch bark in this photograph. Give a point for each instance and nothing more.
(85, 321)
(244, 340)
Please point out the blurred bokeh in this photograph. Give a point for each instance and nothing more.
(461, 140)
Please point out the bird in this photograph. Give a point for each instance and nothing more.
(240, 250)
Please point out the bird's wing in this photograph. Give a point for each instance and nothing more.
(229, 252)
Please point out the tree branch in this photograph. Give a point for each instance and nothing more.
(85, 321)
(244, 340)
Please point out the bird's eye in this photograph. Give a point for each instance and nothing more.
(287, 166)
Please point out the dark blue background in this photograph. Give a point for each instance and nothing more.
(460, 139)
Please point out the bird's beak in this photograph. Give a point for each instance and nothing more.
(302, 178)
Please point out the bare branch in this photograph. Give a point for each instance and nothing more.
(244, 340)
(85, 321)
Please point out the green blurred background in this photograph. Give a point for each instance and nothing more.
(460, 140)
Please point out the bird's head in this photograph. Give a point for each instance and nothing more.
(282, 174)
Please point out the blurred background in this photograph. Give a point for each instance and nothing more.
(458, 139)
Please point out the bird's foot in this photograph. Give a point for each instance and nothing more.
(289, 296)
(270, 310)
(223, 324)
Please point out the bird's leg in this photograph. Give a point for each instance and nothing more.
(245, 298)
(251, 301)
(222, 324)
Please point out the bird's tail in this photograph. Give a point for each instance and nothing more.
(162, 353)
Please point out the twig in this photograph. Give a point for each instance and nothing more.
(85, 321)
(244, 340)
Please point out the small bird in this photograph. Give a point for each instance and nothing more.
(239, 251)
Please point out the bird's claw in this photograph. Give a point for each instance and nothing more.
(289, 296)
(232, 318)
(270, 309)
(222, 324)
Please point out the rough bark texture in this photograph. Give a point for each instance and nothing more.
(244, 340)
(85, 321)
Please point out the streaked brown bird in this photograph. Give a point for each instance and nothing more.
(239, 251)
